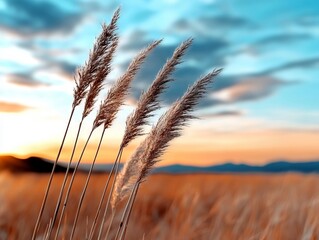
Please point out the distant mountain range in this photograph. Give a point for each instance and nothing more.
(39, 165)
(273, 167)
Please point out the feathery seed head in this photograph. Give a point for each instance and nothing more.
(118, 92)
(87, 73)
(149, 100)
(127, 177)
(104, 68)
(168, 127)
(170, 124)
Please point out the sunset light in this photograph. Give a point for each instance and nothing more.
(261, 108)
(171, 119)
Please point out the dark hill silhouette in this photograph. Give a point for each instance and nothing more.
(31, 164)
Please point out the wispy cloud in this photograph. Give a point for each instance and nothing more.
(10, 107)
(252, 88)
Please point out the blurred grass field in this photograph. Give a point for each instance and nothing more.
(198, 206)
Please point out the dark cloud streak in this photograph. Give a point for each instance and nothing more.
(283, 38)
(226, 113)
(25, 80)
(29, 17)
(303, 63)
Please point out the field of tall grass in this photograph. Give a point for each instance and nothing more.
(197, 206)
(77, 205)
(124, 187)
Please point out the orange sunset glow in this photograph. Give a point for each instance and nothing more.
(261, 108)
(198, 146)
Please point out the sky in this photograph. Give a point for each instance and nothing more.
(263, 107)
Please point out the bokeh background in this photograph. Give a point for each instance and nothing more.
(262, 108)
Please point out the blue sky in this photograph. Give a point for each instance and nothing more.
(268, 49)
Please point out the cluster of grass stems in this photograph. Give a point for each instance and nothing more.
(125, 185)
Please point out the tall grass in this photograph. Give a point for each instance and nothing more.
(90, 76)
(112, 102)
(147, 103)
(135, 171)
(97, 69)
(184, 206)
(108, 110)
(147, 154)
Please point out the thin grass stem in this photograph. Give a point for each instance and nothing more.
(110, 224)
(103, 195)
(86, 186)
(110, 195)
(37, 225)
(47, 228)
(64, 181)
(70, 186)
(125, 212)
(128, 214)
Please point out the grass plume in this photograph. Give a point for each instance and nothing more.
(147, 154)
(118, 92)
(90, 75)
(89, 82)
(94, 72)
(97, 84)
(170, 124)
(127, 176)
(87, 73)
(107, 113)
(147, 103)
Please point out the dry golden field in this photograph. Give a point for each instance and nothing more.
(198, 206)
